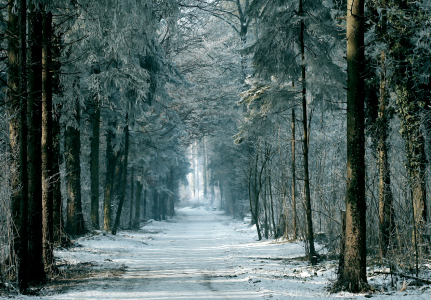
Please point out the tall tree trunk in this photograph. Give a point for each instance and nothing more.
(386, 209)
(170, 204)
(119, 164)
(353, 274)
(282, 229)
(220, 185)
(47, 146)
(144, 201)
(132, 183)
(411, 102)
(124, 177)
(36, 266)
(294, 218)
(75, 220)
(156, 212)
(58, 225)
(271, 202)
(23, 131)
(109, 178)
(57, 158)
(194, 167)
(204, 175)
(137, 220)
(13, 99)
(197, 169)
(94, 166)
(310, 234)
(212, 190)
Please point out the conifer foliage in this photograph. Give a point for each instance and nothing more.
(309, 118)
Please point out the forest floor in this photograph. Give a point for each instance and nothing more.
(199, 254)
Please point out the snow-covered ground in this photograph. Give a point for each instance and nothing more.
(200, 254)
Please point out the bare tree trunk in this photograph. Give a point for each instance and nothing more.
(36, 266)
(124, 177)
(221, 193)
(137, 220)
(14, 123)
(271, 201)
(310, 234)
(354, 276)
(204, 175)
(171, 197)
(132, 183)
(75, 220)
(47, 145)
(57, 158)
(23, 131)
(144, 201)
(386, 209)
(265, 209)
(294, 218)
(109, 179)
(58, 226)
(94, 166)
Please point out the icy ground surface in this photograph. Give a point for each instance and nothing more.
(200, 254)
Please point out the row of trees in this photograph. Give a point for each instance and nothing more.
(91, 125)
(97, 93)
(292, 149)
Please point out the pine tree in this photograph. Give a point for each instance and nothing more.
(353, 274)
(34, 146)
(47, 144)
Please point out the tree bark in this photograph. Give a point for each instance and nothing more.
(132, 183)
(353, 276)
(94, 166)
(204, 175)
(75, 220)
(13, 99)
(410, 109)
(310, 234)
(124, 178)
(47, 146)
(137, 220)
(57, 158)
(386, 209)
(294, 227)
(156, 213)
(144, 201)
(23, 131)
(109, 178)
(220, 185)
(36, 266)
(171, 183)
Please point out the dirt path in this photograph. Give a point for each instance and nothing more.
(193, 257)
(200, 254)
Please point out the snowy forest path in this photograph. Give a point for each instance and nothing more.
(198, 254)
(193, 256)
